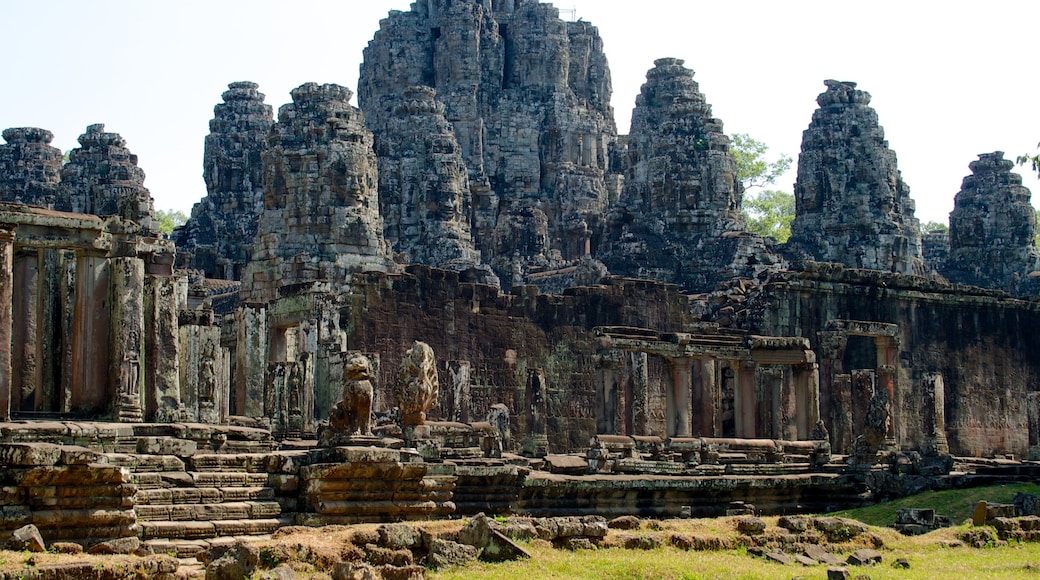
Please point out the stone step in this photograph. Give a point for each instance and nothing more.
(199, 479)
(147, 463)
(224, 479)
(200, 530)
(241, 510)
(228, 461)
(204, 495)
(178, 548)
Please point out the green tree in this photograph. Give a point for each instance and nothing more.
(935, 227)
(753, 170)
(770, 213)
(169, 219)
(1033, 160)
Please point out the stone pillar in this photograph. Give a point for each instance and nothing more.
(677, 398)
(127, 336)
(744, 398)
(777, 394)
(162, 349)
(807, 398)
(706, 420)
(607, 392)
(886, 379)
(863, 387)
(640, 394)
(251, 368)
(25, 346)
(842, 425)
(1033, 414)
(69, 283)
(460, 372)
(934, 411)
(832, 348)
(537, 444)
(6, 301)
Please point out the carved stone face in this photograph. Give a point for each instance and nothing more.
(357, 367)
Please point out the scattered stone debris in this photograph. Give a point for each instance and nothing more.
(915, 521)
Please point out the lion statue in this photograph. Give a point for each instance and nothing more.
(352, 415)
(417, 384)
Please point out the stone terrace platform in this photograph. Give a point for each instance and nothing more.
(181, 487)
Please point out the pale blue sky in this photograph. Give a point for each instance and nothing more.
(948, 82)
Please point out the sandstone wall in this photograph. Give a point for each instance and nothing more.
(504, 336)
(982, 342)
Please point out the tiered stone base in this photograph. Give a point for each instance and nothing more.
(348, 485)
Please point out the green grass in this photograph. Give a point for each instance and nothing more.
(926, 562)
(956, 503)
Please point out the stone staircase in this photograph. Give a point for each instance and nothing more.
(181, 506)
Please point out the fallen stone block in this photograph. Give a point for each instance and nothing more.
(26, 538)
(779, 558)
(864, 557)
(501, 549)
(444, 553)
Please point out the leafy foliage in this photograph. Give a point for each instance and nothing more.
(753, 170)
(170, 219)
(935, 227)
(770, 213)
(1032, 160)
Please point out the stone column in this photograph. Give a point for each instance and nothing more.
(706, 419)
(677, 398)
(807, 393)
(842, 425)
(162, 349)
(69, 283)
(537, 444)
(6, 301)
(832, 347)
(886, 379)
(744, 398)
(863, 386)
(640, 394)
(251, 368)
(607, 395)
(777, 394)
(127, 360)
(1033, 414)
(934, 410)
(460, 372)
(26, 340)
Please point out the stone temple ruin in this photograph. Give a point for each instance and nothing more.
(471, 294)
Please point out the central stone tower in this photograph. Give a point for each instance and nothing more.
(321, 207)
(528, 97)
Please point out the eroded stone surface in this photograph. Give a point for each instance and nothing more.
(102, 178)
(528, 95)
(30, 167)
(992, 228)
(852, 206)
(219, 235)
(424, 194)
(678, 219)
(321, 207)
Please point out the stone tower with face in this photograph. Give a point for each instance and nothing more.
(321, 208)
